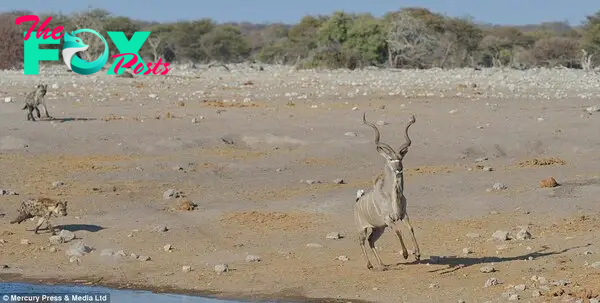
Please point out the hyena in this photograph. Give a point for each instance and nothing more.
(43, 208)
(34, 99)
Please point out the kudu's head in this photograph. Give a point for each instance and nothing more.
(393, 158)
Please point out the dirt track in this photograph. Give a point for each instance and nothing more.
(119, 144)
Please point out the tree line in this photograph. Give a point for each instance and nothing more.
(407, 38)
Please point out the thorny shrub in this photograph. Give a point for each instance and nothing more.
(11, 48)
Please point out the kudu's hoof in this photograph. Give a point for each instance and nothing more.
(369, 266)
(405, 255)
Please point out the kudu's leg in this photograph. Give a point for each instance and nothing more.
(416, 250)
(373, 237)
(362, 237)
(394, 226)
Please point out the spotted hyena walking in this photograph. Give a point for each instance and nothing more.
(43, 208)
(34, 99)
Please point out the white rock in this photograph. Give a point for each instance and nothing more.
(501, 235)
(186, 268)
(342, 258)
(8, 100)
(333, 236)
(523, 234)
(252, 258)
(221, 268)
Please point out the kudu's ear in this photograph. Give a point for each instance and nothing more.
(384, 153)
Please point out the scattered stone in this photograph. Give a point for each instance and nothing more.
(252, 258)
(144, 258)
(78, 249)
(542, 280)
(221, 268)
(548, 183)
(342, 258)
(595, 265)
(74, 259)
(592, 109)
(177, 167)
(339, 181)
(536, 293)
(187, 205)
(6, 192)
(56, 240)
(171, 193)
(499, 186)
(521, 287)
(8, 100)
(152, 96)
(25, 242)
(186, 268)
(461, 301)
(2, 241)
(487, 269)
(66, 235)
(311, 182)
(333, 236)
(56, 184)
(315, 245)
(523, 234)
(479, 160)
(513, 297)
(467, 250)
(4, 266)
(350, 134)
(133, 256)
(487, 168)
(168, 247)
(107, 252)
(453, 111)
(434, 285)
(587, 252)
(501, 235)
(160, 228)
(595, 300)
(382, 123)
(491, 282)
(52, 249)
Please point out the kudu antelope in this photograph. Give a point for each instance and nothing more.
(384, 205)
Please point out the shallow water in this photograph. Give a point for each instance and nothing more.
(95, 294)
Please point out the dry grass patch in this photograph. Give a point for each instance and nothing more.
(541, 162)
(223, 104)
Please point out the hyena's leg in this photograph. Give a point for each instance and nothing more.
(30, 114)
(45, 108)
(39, 224)
(37, 112)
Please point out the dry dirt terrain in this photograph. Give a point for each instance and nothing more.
(238, 145)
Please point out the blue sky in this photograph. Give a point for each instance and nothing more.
(497, 12)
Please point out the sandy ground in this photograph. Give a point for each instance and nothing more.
(119, 144)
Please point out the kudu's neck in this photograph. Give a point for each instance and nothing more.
(393, 184)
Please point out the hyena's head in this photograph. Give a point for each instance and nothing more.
(42, 88)
(60, 208)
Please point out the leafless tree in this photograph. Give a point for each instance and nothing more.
(586, 60)
(156, 44)
(409, 40)
(92, 19)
